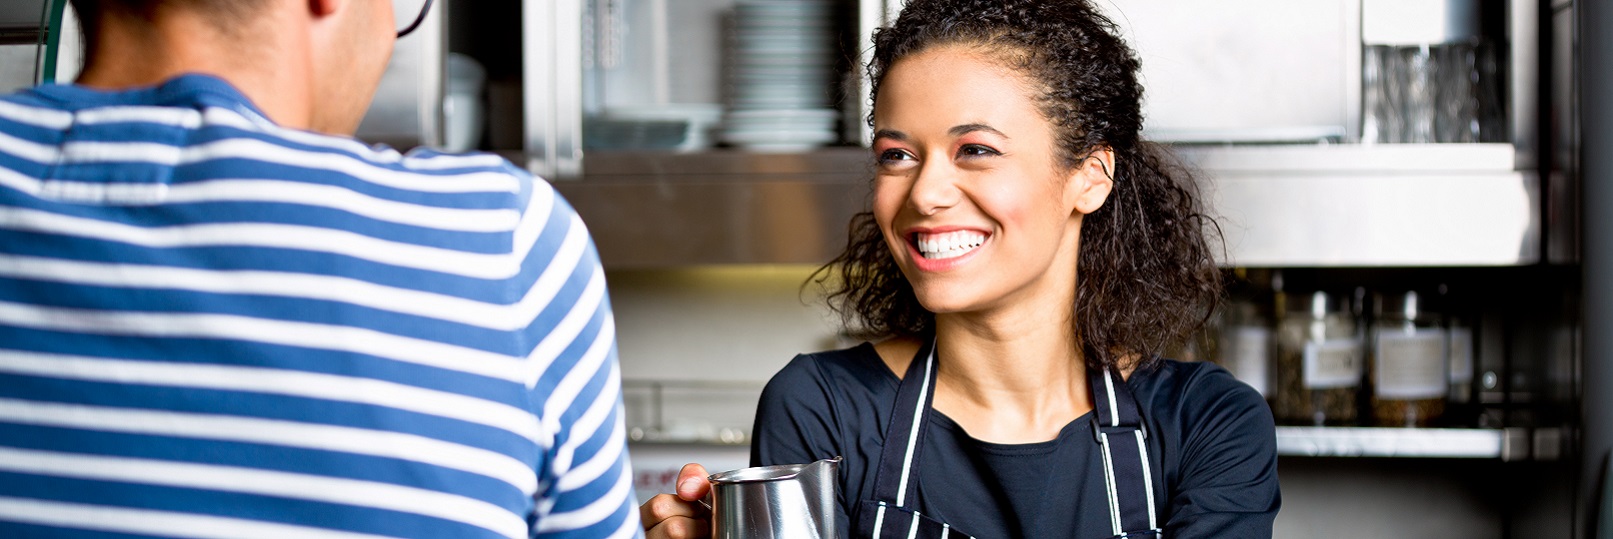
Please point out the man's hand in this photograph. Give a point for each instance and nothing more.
(681, 515)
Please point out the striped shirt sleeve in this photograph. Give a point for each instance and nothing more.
(586, 485)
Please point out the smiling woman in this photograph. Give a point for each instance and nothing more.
(984, 165)
(1027, 259)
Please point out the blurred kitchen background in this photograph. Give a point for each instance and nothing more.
(1400, 183)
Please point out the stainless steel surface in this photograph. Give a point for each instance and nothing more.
(871, 15)
(1339, 205)
(1377, 205)
(552, 91)
(1401, 159)
(17, 66)
(1561, 219)
(793, 501)
(1205, 65)
(1418, 22)
(21, 14)
(1399, 442)
(1596, 138)
(407, 109)
(1378, 220)
(1523, 29)
(669, 210)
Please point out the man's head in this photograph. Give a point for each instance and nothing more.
(308, 63)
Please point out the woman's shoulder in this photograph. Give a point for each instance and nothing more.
(821, 404)
(1199, 395)
(855, 372)
(1189, 380)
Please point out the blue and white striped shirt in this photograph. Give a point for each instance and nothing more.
(212, 326)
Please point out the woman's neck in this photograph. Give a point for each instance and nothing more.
(1010, 379)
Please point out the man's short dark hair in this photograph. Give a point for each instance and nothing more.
(227, 14)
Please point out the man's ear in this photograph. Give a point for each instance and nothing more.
(323, 8)
(1091, 181)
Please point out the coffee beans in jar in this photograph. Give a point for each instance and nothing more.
(1409, 363)
(1319, 363)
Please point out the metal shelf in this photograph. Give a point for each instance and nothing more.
(1371, 205)
(1505, 444)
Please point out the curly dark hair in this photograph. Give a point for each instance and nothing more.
(1147, 277)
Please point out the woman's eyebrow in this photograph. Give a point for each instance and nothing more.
(892, 134)
(965, 129)
(956, 131)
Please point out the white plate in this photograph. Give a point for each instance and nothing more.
(758, 136)
(752, 125)
(778, 85)
(794, 113)
(798, 61)
(783, 101)
(812, 43)
(781, 92)
(777, 119)
(788, 75)
(826, 50)
(806, 131)
(753, 138)
(782, 7)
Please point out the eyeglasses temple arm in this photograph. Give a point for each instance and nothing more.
(417, 20)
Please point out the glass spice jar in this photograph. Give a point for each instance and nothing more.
(1409, 363)
(1245, 345)
(1319, 363)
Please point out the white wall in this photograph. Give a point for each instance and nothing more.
(727, 324)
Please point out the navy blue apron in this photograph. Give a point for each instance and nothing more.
(1116, 427)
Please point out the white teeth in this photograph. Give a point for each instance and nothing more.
(948, 244)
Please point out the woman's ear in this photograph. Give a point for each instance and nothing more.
(1091, 181)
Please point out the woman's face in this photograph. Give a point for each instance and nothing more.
(972, 198)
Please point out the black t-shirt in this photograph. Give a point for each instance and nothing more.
(1214, 436)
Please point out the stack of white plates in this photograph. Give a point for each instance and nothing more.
(781, 77)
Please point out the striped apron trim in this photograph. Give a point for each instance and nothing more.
(1117, 428)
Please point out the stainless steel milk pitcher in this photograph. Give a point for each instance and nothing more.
(794, 501)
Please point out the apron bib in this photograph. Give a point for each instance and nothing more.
(1117, 428)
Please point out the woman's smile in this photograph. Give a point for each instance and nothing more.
(948, 244)
(944, 248)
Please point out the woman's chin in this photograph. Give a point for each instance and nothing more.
(948, 302)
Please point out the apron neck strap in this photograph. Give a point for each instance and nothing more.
(896, 482)
(1117, 426)
(1112, 402)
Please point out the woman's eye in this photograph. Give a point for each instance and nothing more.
(893, 155)
(976, 150)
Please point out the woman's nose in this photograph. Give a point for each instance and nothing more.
(935, 189)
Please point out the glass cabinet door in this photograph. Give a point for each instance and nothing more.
(691, 76)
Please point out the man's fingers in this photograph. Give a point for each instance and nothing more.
(680, 528)
(692, 483)
(663, 507)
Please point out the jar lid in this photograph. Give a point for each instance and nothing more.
(1406, 306)
(1318, 305)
